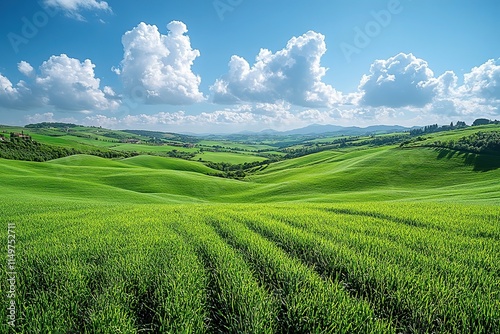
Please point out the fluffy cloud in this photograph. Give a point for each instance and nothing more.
(63, 83)
(255, 116)
(158, 67)
(66, 83)
(8, 93)
(317, 116)
(38, 118)
(179, 118)
(406, 83)
(17, 97)
(25, 68)
(73, 7)
(479, 95)
(484, 81)
(292, 74)
(446, 84)
(400, 81)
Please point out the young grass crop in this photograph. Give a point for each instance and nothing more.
(365, 267)
(101, 272)
(416, 290)
(238, 303)
(309, 304)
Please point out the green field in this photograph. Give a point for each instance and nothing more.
(370, 268)
(358, 240)
(151, 148)
(236, 146)
(233, 158)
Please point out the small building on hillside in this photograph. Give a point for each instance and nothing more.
(20, 135)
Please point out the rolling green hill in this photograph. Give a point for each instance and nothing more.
(364, 238)
(88, 161)
(229, 157)
(384, 173)
(153, 162)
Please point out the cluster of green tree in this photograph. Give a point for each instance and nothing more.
(300, 152)
(481, 142)
(239, 171)
(411, 141)
(226, 149)
(228, 167)
(29, 150)
(484, 121)
(45, 125)
(238, 175)
(382, 140)
(181, 154)
(436, 128)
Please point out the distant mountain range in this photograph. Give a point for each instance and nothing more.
(317, 129)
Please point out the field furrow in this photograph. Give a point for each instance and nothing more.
(309, 304)
(426, 293)
(267, 268)
(238, 304)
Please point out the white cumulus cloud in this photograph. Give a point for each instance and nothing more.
(293, 74)
(25, 68)
(158, 67)
(478, 95)
(16, 96)
(66, 83)
(8, 93)
(484, 81)
(400, 81)
(61, 82)
(72, 8)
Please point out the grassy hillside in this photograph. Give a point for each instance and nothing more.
(382, 174)
(81, 176)
(88, 161)
(386, 173)
(153, 162)
(363, 238)
(229, 157)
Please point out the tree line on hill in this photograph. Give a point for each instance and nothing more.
(480, 142)
(46, 125)
(24, 148)
(436, 128)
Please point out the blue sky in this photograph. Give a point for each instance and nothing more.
(234, 65)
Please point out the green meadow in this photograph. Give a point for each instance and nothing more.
(229, 157)
(361, 239)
